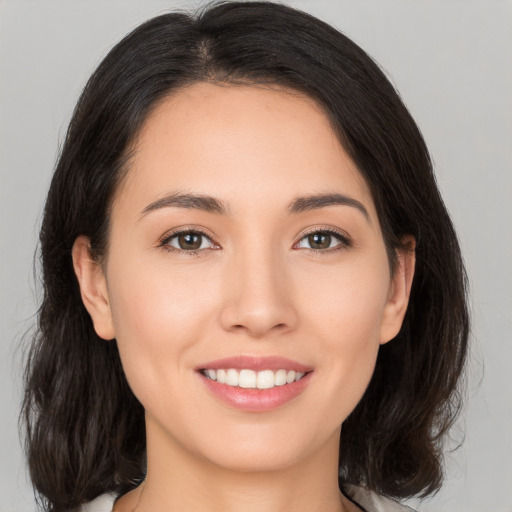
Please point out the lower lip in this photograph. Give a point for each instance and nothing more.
(257, 400)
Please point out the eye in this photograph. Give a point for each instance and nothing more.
(188, 241)
(323, 240)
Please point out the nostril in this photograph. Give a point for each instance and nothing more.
(256, 316)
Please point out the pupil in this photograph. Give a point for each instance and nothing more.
(319, 241)
(189, 241)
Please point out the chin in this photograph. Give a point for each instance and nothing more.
(253, 450)
(255, 461)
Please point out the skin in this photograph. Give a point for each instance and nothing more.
(257, 289)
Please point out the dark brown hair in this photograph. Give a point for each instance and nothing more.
(85, 428)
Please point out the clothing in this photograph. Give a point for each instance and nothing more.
(103, 503)
(367, 500)
(372, 502)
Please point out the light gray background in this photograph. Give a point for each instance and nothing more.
(451, 61)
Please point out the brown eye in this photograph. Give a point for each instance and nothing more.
(319, 241)
(323, 241)
(189, 241)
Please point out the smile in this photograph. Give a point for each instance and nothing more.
(250, 379)
(255, 383)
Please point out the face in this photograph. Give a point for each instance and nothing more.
(244, 247)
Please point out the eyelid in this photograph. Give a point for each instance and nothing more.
(169, 235)
(343, 237)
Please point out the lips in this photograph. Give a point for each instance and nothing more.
(257, 363)
(255, 384)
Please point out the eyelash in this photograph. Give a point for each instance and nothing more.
(164, 243)
(344, 241)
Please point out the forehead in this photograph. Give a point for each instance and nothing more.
(232, 141)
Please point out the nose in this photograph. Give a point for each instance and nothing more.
(258, 296)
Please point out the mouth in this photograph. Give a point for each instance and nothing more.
(250, 379)
(255, 384)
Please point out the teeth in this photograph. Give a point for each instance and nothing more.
(250, 379)
(247, 379)
(265, 379)
(280, 378)
(221, 376)
(232, 377)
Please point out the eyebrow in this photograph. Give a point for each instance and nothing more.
(212, 205)
(183, 200)
(314, 202)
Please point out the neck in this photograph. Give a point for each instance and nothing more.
(180, 481)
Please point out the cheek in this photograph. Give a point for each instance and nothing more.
(159, 314)
(157, 299)
(345, 317)
(348, 303)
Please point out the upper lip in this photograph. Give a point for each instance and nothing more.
(256, 363)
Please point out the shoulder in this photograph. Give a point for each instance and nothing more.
(103, 503)
(370, 501)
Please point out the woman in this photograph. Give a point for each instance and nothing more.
(254, 296)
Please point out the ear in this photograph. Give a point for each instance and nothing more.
(399, 291)
(93, 288)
